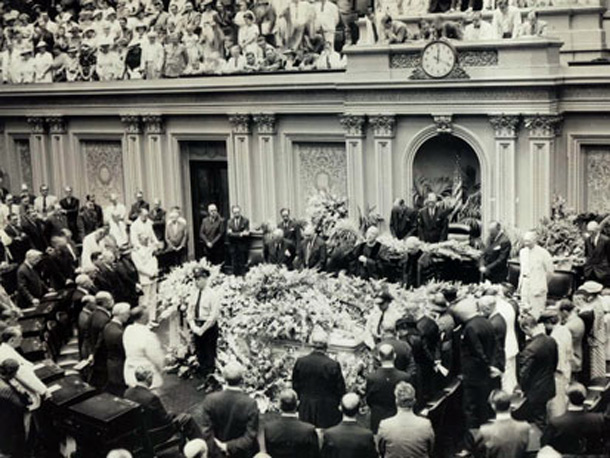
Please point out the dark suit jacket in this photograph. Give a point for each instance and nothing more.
(318, 381)
(373, 266)
(85, 344)
(99, 373)
(135, 209)
(432, 229)
(71, 207)
(234, 228)
(317, 256)
(495, 258)
(597, 262)
(288, 437)
(499, 326)
(115, 353)
(403, 222)
(154, 414)
(30, 285)
(348, 440)
(107, 279)
(477, 350)
(380, 393)
(211, 231)
(62, 267)
(575, 432)
(33, 228)
(538, 363)
(86, 222)
(230, 416)
(404, 357)
(502, 439)
(129, 277)
(54, 225)
(275, 252)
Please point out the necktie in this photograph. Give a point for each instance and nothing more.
(44, 204)
(380, 323)
(308, 254)
(197, 308)
(71, 252)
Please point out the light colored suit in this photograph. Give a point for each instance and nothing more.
(504, 437)
(45, 207)
(536, 268)
(142, 348)
(394, 443)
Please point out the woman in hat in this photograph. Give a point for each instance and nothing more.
(247, 35)
(176, 58)
(43, 64)
(210, 27)
(26, 71)
(592, 313)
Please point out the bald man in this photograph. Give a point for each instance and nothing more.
(536, 268)
(597, 254)
(115, 351)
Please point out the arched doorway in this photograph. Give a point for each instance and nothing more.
(449, 166)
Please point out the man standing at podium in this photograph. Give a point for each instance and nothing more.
(238, 230)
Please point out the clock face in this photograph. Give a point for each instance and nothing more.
(438, 59)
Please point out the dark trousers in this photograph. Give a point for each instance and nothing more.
(205, 349)
(189, 427)
(215, 254)
(475, 397)
(533, 413)
(176, 258)
(239, 258)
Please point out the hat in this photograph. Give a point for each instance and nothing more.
(139, 25)
(110, 12)
(11, 15)
(549, 312)
(98, 12)
(72, 49)
(41, 44)
(153, 34)
(207, 2)
(86, 2)
(249, 14)
(385, 296)
(89, 29)
(105, 42)
(592, 287)
(404, 323)
(27, 50)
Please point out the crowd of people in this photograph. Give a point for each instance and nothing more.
(504, 343)
(105, 40)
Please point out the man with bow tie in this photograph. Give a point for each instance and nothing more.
(494, 262)
(432, 221)
(211, 235)
(238, 231)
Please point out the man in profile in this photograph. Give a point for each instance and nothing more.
(238, 231)
(403, 220)
(494, 262)
(432, 221)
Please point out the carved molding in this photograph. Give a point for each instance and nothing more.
(353, 125)
(153, 124)
(405, 60)
(37, 125)
(505, 126)
(541, 126)
(458, 73)
(487, 58)
(383, 125)
(240, 123)
(132, 124)
(444, 124)
(57, 124)
(265, 123)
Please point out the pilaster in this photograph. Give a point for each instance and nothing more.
(383, 131)
(132, 150)
(63, 162)
(504, 179)
(265, 129)
(353, 125)
(156, 176)
(41, 164)
(239, 162)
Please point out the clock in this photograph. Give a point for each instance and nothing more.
(438, 59)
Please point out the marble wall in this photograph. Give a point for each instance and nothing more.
(322, 167)
(24, 154)
(104, 169)
(597, 173)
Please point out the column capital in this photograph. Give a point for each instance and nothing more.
(353, 125)
(383, 125)
(153, 124)
(37, 125)
(444, 123)
(131, 123)
(57, 124)
(505, 126)
(265, 123)
(543, 126)
(240, 123)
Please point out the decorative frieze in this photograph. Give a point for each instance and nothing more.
(265, 123)
(353, 125)
(444, 124)
(505, 126)
(57, 125)
(37, 125)
(153, 124)
(543, 126)
(383, 125)
(240, 123)
(132, 124)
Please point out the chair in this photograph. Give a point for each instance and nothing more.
(165, 440)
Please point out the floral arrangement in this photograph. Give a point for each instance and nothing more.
(450, 249)
(324, 210)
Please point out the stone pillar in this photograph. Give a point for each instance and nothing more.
(132, 157)
(265, 128)
(383, 129)
(542, 132)
(505, 168)
(62, 164)
(41, 165)
(240, 181)
(156, 174)
(354, 136)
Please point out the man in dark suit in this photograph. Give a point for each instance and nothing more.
(115, 352)
(288, 437)
(311, 252)
(83, 326)
(87, 221)
(291, 232)
(99, 356)
(19, 241)
(238, 231)
(30, 285)
(432, 222)
(106, 277)
(365, 258)
(31, 224)
(3, 191)
(62, 262)
(70, 206)
(84, 287)
(537, 366)
(576, 432)
(154, 414)
(380, 387)
(211, 234)
(348, 439)
(404, 353)
(229, 418)
(494, 262)
(503, 436)
(319, 382)
(129, 277)
(487, 308)
(55, 223)
(597, 254)
(278, 250)
(477, 351)
(138, 205)
(403, 220)
(12, 412)
(157, 216)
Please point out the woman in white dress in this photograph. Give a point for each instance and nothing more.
(142, 349)
(143, 256)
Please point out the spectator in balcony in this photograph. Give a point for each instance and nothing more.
(242, 9)
(393, 32)
(153, 56)
(273, 61)
(190, 40)
(43, 64)
(210, 27)
(265, 15)
(326, 19)
(190, 17)
(252, 65)
(506, 20)
(478, 29)
(329, 58)
(298, 18)
(248, 33)
(237, 62)
(106, 65)
(25, 72)
(90, 37)
(176, 58)
(532, 27)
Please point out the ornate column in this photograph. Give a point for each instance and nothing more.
(240, 182)
(265, 128)
(383, 129)
(156, 176)
(542, 132)
(41, 164)
(505, 169)
(354, 136)
(132, 159)
(61, 160)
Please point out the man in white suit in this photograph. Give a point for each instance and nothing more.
(536, 270)
(45, 203)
